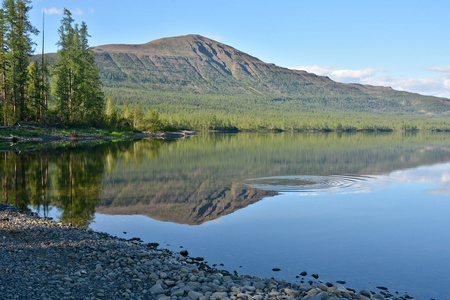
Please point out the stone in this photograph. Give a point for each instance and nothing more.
(194, 295)
(220, 295)
(323, 295)
(157, 289)
(177, 293)
(291, 292)
(111, 268)
(365, 293)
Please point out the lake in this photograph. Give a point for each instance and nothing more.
(369, 209)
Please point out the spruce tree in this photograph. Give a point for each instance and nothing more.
(11, 55)
(64, 69)
(80, 99)
(16, 48)
(24, 50)
(3, 52)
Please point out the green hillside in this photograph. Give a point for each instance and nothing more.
(197, 83)
(211, 75)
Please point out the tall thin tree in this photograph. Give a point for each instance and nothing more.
(3, 51)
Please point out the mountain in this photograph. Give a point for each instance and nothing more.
(198, 64)
(193, 74)
(202, 69)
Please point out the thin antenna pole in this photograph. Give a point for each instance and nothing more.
(43, 24)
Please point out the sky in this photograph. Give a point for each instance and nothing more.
(404, 44)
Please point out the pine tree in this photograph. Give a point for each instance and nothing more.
(63, 69)
(11, 55)
(80, 99)
(24, 50)
(16, 47)
(90, 93)
(3, 52)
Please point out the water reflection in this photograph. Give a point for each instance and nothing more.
(203, 178)
(313, 184)
(391, 236)
(69, 179)
(436, 175)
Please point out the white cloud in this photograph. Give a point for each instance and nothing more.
(354, 74)
(53, 11)
(77, 11)
(341, 75)
(60, 11)
(434, 86)
(440, 69)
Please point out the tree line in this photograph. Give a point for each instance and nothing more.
(75, 95)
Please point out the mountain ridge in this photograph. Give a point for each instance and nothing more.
(193, 73)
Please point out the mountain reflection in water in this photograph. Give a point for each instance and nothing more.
(205, 177)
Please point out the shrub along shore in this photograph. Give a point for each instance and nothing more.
(44, 259)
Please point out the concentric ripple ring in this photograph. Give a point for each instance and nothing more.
(312, 184)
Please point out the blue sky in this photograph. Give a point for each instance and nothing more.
(404, 44)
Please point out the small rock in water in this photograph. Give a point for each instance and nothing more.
(276, 269)
(184, 253)
(199, 259)
(365, 293)
(341, 281)
(316, 276)
(382, 288)
(304, 273)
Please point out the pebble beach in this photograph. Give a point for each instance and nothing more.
(44, 259)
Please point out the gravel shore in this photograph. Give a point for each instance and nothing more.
(43, 259)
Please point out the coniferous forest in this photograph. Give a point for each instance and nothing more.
(215, 88)
(67, 92)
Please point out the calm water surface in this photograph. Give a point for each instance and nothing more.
(368, 209)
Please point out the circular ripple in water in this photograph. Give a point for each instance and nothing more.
(312, 184)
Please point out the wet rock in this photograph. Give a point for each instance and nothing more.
(365, 293)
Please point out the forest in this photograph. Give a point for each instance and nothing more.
(74, 89)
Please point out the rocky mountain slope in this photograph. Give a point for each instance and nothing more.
(195, 73)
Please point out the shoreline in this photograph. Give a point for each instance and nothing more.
(44, 139)
(60, 261)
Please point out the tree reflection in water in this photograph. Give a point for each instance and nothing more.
(199, 179)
